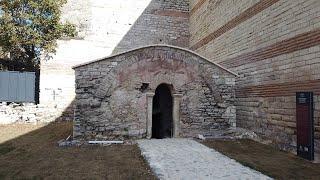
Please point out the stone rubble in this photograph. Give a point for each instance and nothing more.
(30, 113)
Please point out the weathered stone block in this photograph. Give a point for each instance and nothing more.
(118, 100)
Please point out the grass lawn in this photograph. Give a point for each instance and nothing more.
(266, 159)
(31, 152)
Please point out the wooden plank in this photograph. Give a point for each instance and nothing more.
(105, 142)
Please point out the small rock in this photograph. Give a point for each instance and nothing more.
(64, 143)
(201, 137)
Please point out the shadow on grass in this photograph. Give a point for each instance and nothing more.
(35, 155)
(266, 159)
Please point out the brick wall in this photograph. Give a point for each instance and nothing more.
(107, 27)
(161, 22)
(274, 45)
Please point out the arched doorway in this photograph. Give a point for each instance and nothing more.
(162, 121)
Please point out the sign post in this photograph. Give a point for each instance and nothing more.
(305, 125)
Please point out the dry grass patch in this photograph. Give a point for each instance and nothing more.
(9, 132)
(266, 159)
(35, 155)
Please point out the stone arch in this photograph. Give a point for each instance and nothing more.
(175, 112)
(129, 80)
(181, 58)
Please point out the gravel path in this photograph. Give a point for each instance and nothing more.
(187, 159)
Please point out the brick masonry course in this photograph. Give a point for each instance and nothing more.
(274, 47)
(105, 28)
(247, 14)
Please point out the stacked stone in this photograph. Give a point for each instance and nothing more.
(31, 113)
(110, 103)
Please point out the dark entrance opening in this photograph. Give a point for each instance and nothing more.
(162, 121)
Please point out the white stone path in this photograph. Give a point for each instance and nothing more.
(184, 159)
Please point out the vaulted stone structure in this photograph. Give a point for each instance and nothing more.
(156, 91)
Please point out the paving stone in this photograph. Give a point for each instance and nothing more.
(187, 159)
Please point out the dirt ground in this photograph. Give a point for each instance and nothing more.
(31, 152)
(266, 159)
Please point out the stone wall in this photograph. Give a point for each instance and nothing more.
(107, 27)
(111, 102)
(22, 113)
(274, 45)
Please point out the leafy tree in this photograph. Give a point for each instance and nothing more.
(29, 30)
